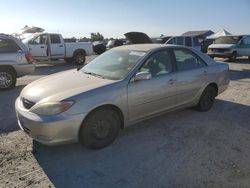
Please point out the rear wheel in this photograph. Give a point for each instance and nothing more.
(7, 78)
(207, 99)
(79, 58)
(100, 129)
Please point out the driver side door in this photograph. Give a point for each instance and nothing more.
(39, 47)
(148, 97)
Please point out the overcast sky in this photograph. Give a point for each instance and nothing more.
(113, 18)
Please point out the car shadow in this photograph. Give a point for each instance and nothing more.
(173, 150)
(239, 74)
(47, 68)
(7, 106)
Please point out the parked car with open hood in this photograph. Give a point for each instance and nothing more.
(138, 38)
(122, 86)
(44, 46)
(15, 61)
(230, 46)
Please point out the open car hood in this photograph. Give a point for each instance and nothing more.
(138, 38)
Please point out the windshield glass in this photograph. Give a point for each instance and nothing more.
(228, 40)
(113, 65)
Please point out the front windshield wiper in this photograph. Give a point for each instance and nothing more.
(93, 74)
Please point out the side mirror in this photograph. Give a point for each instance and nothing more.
(142, 76)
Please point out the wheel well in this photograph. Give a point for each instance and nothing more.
(111, 107)
(215, 86)
(79, 51)
(10, 68)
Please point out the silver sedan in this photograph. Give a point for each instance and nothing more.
(123, 86)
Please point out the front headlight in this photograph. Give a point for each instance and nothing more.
(51, 108)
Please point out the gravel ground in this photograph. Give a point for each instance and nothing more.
(179, 149)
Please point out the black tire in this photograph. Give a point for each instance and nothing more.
(233, 57)
(100, 129)
(207, 99)
(7, 78)
(248, 57)
(79, 58)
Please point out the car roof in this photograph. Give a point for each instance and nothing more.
(141, 47)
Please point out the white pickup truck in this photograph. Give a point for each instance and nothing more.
(44, 46)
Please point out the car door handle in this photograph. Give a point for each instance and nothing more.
(42, 47)
(171, 81)
(60, 46)
(205, 73)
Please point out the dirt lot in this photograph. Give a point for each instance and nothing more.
(180, 149)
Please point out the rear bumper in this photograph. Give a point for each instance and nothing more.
(24, 69)
(50, 130)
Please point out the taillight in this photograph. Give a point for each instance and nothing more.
(29, 58)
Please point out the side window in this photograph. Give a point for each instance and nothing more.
(158, 63)
(186, 60)
(196, 42)
(188, 41)
(8, 46)
(41, 39)
(55, 39)
(246, 40)
(172, 41)
(180, 41)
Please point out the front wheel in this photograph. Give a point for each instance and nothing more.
(79, 58)
(207, 99)
(233, 57)
(100, 129)
(7, 78)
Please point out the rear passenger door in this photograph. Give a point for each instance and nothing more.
(57, 49)
(10, 52)
(191, 75)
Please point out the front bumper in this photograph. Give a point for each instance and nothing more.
(220, 54)
(49, 130)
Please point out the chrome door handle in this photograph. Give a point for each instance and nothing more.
(205, 73)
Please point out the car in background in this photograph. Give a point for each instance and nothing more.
(15, 61)
(45, 46)
(230, 47)
(205, 43)
(121, 87)
(160, 40)
(114, 43)
(99, 47)
(188, 41)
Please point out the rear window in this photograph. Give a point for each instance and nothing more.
(8, 46)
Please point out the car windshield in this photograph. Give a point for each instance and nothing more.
(114, 64)
(228, 40)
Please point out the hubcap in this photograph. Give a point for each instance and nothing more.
(5, 80)
(101, 129)
(80, 59)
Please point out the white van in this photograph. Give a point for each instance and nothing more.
(230, 46)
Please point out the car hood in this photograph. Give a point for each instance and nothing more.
(138, 38)
(62, 85)
(221, 45)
